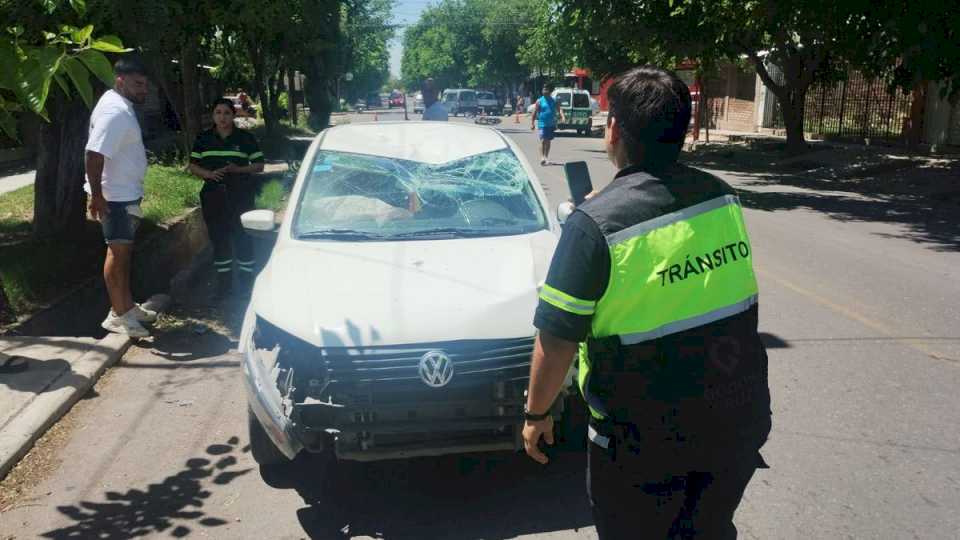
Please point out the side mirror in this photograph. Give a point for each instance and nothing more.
(563, 211)
(259, 222)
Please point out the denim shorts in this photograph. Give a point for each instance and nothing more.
(120, 225)
(546, 133)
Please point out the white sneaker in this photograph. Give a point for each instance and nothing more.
(143, 314)
(126, 324)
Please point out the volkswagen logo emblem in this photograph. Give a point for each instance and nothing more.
(436, 369)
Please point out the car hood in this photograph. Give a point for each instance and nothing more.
(335, 294)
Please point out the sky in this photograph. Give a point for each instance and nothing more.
(404, 12)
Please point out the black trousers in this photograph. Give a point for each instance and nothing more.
(637, 496)
(222, 204)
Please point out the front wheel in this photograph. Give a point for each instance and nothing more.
(261, 447)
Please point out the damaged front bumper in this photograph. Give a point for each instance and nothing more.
(366, 417)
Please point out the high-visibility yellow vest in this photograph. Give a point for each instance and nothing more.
(672, 273)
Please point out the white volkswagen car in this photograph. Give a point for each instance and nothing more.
(394, 316)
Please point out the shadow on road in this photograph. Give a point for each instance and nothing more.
(456, 497)
(168, 506)
(938, 227)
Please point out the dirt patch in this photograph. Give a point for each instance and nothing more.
(19, 486)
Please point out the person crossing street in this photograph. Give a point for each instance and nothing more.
(225, 157)
(653, 277)
(544, 120)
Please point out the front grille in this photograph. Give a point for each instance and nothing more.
(473, 360)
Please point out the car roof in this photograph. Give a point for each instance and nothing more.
(425, 142)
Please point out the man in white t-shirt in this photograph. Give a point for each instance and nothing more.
(116, 163)
(433, 109)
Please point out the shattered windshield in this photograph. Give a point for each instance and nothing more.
(360, 197)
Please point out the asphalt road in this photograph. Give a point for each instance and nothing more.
(859, 308)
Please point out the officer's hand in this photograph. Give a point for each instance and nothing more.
(216, 175)
(230, 167)
(531, 438)
(98, 207)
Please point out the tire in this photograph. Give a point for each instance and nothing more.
(261, 447)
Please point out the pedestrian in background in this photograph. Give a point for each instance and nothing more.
(225, 157)
(544, 119)
(654, 276)
(115, 164)
(433, 109)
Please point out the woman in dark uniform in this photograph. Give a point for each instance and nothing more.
(226, 157)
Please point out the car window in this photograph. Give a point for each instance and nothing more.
(450, 97)
(487, 194)
(485, 95)
(468, 96)
(581, 101)
(563, 99)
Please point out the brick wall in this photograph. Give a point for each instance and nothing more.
(731, 94)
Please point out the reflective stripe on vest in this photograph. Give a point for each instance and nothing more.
(672, 273)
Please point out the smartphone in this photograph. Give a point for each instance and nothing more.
(578, 180)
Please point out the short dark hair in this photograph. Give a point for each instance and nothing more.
(652, 108)
(223, 101)
(548, 87)
(129, 64)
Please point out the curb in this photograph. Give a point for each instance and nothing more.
(58, 397)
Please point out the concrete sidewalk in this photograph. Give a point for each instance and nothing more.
(16, 181)
(59, 371)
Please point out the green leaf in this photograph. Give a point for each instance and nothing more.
(110, 44)
(62, 83)
(8, 58)
(80, 78)
(98, 64)
(80, 6)
(81, 36)
(7, 124)
(33, 77)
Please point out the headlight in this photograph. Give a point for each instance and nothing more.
(300, 366)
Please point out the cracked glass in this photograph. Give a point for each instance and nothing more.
(361, 197)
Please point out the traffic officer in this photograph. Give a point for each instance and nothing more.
(653, 278)
(225, 157)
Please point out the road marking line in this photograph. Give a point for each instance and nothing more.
(851, 314)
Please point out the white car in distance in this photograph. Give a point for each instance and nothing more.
(394, 316)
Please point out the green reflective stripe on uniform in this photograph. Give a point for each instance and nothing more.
(564, 301)
(693, 322)
(224, 153)
(197, 155)
(224, 269)
(225, 262)
(672, 217)
(256, 155)
(682, 267)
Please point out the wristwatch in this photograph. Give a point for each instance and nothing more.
(527, 415)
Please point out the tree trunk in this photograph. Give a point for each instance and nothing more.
(191, 93)
(292, 97)
(791, 107)
(59, 200)
(318, 97)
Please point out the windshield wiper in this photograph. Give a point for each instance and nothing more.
(340, 234)
(443, 231)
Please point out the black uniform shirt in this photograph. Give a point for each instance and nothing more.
(212, 152)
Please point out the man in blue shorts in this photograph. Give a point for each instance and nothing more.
(116, 163)
(544, 120)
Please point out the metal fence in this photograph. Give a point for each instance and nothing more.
(857, 107)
